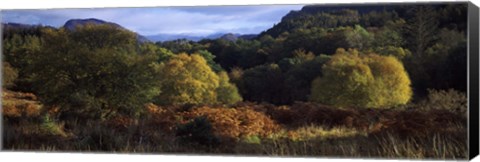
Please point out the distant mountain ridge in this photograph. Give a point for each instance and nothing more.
(227, 36)
(169, 37)
(73, 23)
(16, 25)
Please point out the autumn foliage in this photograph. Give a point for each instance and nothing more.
(234, 123)
(362, 80)
(290, 90)
(188, 79)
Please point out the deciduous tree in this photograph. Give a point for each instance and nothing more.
(353, 79)
(187, 79)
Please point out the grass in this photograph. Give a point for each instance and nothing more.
(305, 130)
(311, 132)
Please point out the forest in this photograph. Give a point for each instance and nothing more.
(386, 81)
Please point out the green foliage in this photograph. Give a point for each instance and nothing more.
(299, 78)
(398, 52)
(163, 54)
(241, 53)
(421, 29)
(352, 79)
(49, 127)
(19, 51)
(93, 72)
(264, 83)
(299, 56)
(250, 55)
(181, 46)
(377, 19)
(209, 58)
(252, 140)
(390, 34)
(358, 38)
(227, 93)
(187, 79)
(320, 18)
(197, 131)
(9, 75)
(442, 65)
(454, 16)
(316, 40)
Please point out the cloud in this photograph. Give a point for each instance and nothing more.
(172, 20)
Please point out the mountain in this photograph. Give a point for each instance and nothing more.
(73, 23)
(16, 25)
(332, 16)
(235, 37)
(230, 37)
(169, 37)
(226, 36)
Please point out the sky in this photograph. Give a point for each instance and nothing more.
(195, 21)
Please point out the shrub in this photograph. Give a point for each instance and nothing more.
(50, 127)
(231, 124)
(120, 122)
(451, 100)
(10, 110)
(199, 130)
(252, 139)
(10, 74)
(285, 115)
(161, 118)
(353, 79)
(17, 105)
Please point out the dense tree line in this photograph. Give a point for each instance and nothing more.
(98, 71)
(341, 57)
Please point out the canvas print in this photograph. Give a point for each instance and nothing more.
(349, 81)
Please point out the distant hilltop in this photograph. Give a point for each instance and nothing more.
(73, 23)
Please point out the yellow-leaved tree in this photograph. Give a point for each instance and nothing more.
(187, 79)
(227, 92)
(362, 80)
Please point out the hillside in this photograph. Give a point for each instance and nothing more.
(366, 15)
(73, 23)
